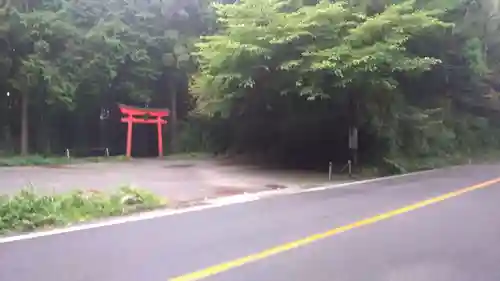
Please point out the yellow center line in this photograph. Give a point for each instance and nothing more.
(212, 270)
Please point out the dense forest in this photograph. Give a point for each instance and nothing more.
(298, 81)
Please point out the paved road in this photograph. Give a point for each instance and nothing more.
(457, 239)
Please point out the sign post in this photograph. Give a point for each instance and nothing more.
(353, 144)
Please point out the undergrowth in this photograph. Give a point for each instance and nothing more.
(27, 210)
(40, 160)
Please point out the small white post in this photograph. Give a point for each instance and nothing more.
(67, 153)
(106, 152)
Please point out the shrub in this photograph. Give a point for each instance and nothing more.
(27, 210)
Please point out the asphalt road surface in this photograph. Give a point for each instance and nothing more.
(372, 231)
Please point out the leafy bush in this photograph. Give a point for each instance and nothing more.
(195, 135)
(27, 210)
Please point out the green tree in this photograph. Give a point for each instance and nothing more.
(36, 36)
(62, 55)
(310, 51)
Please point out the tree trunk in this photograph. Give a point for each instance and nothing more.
(44, 136)
(353, 126)
(173, 118)
(24, 124)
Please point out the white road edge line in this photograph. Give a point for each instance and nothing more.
(213, 203)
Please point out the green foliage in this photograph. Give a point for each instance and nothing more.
(28, 211)
(72, 58)
(445, 141)
(416, 71)
(37, 37)
(473, 51)
(310, 51)
(194, 135)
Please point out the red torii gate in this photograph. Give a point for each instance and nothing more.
(143, 116)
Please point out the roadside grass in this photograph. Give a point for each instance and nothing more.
(40, 160)
(32, 160)
(405, 165)
(28, 211)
